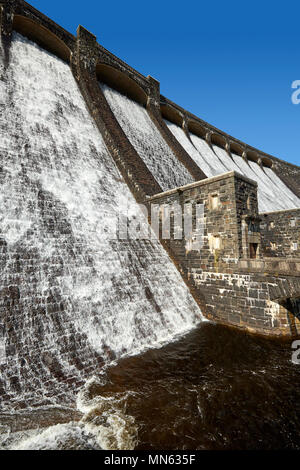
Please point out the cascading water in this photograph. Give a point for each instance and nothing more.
(208, 155)
(192, 151)
(147, 141)
(216, 161)
(265, 192)
(72, 298)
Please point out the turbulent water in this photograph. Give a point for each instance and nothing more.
(213, 389)
(215, 161)
(72, 298)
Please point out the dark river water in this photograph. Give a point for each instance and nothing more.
(214, 389)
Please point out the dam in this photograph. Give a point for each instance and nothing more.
(83, 139)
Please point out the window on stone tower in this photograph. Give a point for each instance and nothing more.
(214, 202)
(214, 243)
(253, 250)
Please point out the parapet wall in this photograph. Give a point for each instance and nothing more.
(19, 15)
(22, 17)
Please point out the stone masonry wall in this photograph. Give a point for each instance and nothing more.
(281, 234)
(227, 200)
(230, 293)
(242, 300)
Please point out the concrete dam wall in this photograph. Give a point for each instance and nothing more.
(84, 138)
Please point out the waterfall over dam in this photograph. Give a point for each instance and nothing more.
(215, 161)
(71, 298)
(169, 172)
(119, 329)
(146, 139)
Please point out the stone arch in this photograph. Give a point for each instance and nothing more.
(196, 128)
(252, 156)
(283, 289)
(171, 114)
(266, 161)
(262, 160)
(121, 82)
(236, 148)
(218, 139)
(42, 36)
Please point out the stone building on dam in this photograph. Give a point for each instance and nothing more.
(82, 134)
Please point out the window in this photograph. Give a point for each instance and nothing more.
(253, 250)
(253, 227)
(214, 202)
(214, 243)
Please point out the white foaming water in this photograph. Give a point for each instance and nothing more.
(191, 150)
(105, 416)
(282, 188)
(208, 155)
(72, 298)
(117, 433)
(168, 171)
(104, 425)
(70, 436)
(273, 194)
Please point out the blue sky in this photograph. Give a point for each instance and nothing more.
(230, 63)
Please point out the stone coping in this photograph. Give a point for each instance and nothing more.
(281, 211)
(24, 8)
(272, 265)
(230, 174)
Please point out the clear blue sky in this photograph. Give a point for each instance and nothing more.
(229, 62)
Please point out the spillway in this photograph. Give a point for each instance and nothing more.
(181, 136)
(72, 297)
(273, 194)
(142, 133)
